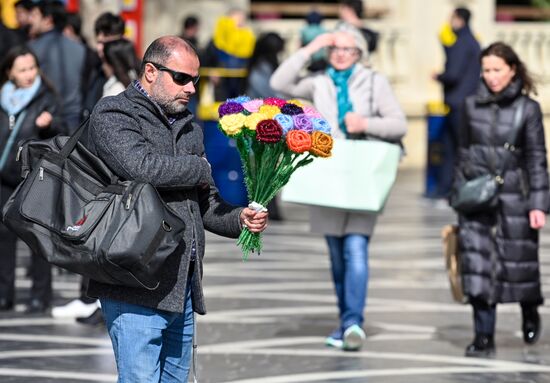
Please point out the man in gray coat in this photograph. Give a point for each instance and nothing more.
(146, 133)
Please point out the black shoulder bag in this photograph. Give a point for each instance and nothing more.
(74, 211)
(481, 193)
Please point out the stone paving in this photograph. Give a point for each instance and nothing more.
(268, 317)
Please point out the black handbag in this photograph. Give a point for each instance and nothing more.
(74, 211)
(481, 193)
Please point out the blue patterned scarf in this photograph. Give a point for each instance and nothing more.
(340, 79)
(14, 100)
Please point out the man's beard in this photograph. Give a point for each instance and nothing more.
(168, 105)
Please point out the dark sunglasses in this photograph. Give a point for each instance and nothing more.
(179, 78)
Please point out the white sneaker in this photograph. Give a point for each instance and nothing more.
(354, 336)
(75, 309)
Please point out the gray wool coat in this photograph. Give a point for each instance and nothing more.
(135, 139)
(372, 97)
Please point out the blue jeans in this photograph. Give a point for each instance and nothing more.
(350, 273)
(150, 345)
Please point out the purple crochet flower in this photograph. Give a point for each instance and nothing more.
(302, 122)
(229, 108)
(321, 125)
(291, 109)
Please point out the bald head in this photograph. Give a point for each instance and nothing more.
(162, 49)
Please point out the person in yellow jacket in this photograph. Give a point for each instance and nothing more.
(231, 47)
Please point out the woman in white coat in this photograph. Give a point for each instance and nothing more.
(355, 100)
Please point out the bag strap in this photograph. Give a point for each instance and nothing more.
(518, 119)
(512, 137)
(11, 139)
(71, 144)
(73, 140)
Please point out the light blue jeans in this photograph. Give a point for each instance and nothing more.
(350, 273)
(151, 346)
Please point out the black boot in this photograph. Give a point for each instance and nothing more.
(96, 319)
(6, 304)
(531, 324)
(37, 306)
(483, 346)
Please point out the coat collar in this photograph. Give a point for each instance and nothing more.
(508, 94)
(142, 100)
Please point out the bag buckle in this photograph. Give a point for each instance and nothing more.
(509, 147)
(499, 180)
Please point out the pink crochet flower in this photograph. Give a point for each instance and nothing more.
(253, 105)
(311, 112)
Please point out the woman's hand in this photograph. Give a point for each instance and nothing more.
(44, 120)
(255, 221)
(537, 219)
(320, 42)
(354, 123)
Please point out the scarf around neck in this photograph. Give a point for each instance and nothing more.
(340, 79)
(13, 99)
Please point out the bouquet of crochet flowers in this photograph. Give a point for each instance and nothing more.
(274, 138)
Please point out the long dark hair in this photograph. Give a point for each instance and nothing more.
(268, 46)
(121, 55)
(7, 64)
(510, 57)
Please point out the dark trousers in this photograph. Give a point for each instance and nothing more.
(449, 144)
(40, 269)
(84, 282)
(485, 315)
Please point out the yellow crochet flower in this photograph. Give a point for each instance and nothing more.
(231, 39)
(253, 119)
(296, 102)
(269, 111)
(232, 124)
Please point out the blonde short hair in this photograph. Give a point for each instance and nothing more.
(360, 41)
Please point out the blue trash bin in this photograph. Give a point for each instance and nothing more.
(226, 165)
(436, 123)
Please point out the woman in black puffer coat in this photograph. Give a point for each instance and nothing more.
(28, 110)
(499, 248)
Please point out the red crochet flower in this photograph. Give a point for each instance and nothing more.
(269, 131)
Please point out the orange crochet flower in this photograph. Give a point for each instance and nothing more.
(321, 144)
(298, 141)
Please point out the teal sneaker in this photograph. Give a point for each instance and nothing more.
(354, 336)
(335, 339)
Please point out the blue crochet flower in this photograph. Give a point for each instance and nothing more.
(321, 125)
(285, 121)
(240, 99)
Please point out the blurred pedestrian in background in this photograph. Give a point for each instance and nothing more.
(121, 66)
(29, 110)
(351, 12)
(231, 47)
(500, 247)
(61, 59)
(354, 100)
(460, 79)
(22, 15)
(261, 66)
(190, 30)
(308, 34)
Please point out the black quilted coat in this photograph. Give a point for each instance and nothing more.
(499, 249)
